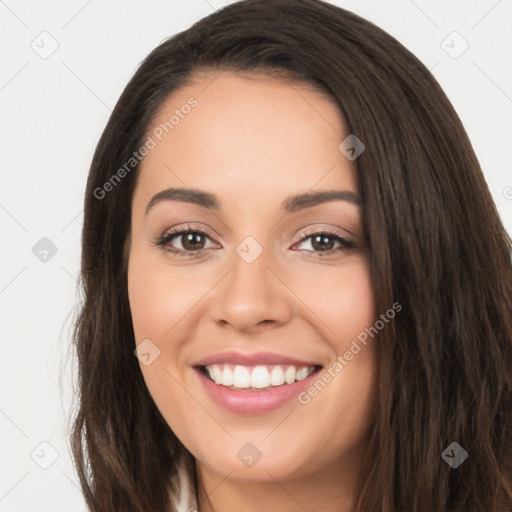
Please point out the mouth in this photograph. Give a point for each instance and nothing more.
(253, 384)
(255, 378)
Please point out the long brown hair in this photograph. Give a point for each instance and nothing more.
(436, 246)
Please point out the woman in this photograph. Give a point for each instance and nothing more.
(298, 292)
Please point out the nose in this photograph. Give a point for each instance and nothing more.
(252, 295)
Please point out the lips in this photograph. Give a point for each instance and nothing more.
(259, 358)
(253, 383)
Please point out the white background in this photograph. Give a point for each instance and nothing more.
(52, 112)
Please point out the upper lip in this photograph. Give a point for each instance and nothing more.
(258, 358)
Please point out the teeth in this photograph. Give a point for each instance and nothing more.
(277, 376)
(241, 377)
(227, 377)
(260, 377)
(289, 375)
(217, 374)
(301, 373)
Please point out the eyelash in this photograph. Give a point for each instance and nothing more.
(345, 244)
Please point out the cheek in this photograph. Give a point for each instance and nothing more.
(342, 298)
(159, 303)
(352, 306)
(159, 297)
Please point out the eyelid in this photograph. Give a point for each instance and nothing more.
(331, 230)
(190, 226)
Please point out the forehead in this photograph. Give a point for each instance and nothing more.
(253, 135)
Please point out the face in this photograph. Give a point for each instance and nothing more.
(238, 292)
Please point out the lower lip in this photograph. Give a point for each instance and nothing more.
(253, 402)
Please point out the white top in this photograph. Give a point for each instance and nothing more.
(184, 497)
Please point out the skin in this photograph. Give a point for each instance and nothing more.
(254, 141)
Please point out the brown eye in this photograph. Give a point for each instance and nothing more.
(192, 241)
(324, 243)
(184, 242)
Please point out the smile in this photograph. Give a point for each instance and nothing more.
(261, 377)
(253, 383)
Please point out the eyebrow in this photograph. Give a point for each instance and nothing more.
(289, 205)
